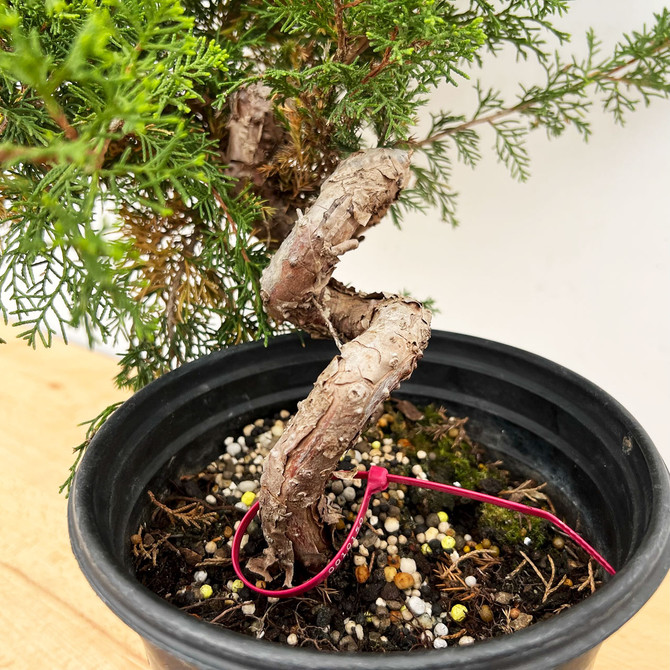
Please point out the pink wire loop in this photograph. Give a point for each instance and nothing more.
(378, 480)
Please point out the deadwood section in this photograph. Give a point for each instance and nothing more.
(384, 336)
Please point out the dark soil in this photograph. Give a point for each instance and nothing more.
(523, 570)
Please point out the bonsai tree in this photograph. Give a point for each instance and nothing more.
(181, 176)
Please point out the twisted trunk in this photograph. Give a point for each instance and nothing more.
(384, 336)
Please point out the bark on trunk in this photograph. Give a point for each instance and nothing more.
(254, 136)
(384, 337)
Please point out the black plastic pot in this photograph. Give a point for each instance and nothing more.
(550, 423)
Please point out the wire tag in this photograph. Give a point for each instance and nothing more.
(378, 480)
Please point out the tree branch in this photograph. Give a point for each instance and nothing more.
(589, 79)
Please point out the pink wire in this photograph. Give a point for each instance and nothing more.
(378, 479)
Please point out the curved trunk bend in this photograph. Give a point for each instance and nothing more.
(384, 336)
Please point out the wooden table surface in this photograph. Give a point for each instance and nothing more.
(49, 616)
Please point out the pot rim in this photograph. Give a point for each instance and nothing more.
(199, 642)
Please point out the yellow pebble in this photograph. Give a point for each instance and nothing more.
(206, 591)
(425, 548)
(237, 585)
(376, 444)
(442, 516)
(466, 549)
(248, 498)
(448, 543)
(458, 612)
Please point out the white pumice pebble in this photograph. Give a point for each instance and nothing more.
(248, 609)
(391, 525)
(199, 576)
(440, 629)
(439, 643)
(360, 560)
(211, 500)
(467, 537)
(416, 606)
(407, 565)
(466, 640)
(527, 541)
(470, 581)
(292, 639)
(233, 449)
(421, 454)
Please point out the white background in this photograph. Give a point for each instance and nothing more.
(572, 265)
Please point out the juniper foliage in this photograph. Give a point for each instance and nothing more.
(117, 210)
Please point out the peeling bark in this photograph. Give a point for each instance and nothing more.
(384, 338)
(253, 136)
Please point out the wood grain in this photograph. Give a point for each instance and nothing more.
(49, 616)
